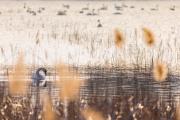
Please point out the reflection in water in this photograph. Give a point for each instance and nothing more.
(115, 92)
(116, 82)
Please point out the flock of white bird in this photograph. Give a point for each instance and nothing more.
(82, 32)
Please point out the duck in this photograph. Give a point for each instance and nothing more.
(39, 11)
(155, 9)
(81, 12)
(117, 7)
(104, 7)
(172, 8)
(117, 13)
(124, 5)
(93, 13)
(24, 5)
(33, 13)
(61, 12)
(99, 24)
(66, 6)
(142, 9)
(132, 6)
(39, 77)
(86, 8)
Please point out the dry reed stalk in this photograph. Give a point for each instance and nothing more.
(177, 112)
(37, 38)
(160, 71)
(148, 37)
(119, 38)
(2, 51)
(91, 114)
(18, 79)
(69, 83)
(48, 111)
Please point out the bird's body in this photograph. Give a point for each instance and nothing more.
(61, 12)
(39, 77)
(99, 24)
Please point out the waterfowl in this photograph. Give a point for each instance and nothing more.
(172, 8)
(38, 78)
(61, 12)
(99, 24)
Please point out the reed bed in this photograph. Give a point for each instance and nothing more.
(106, 95)
(119, 84)
(17, 79)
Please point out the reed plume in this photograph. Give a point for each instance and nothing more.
(148, 37)
(48, 111)
(119, 38)
(91, 114)
(160, 71)
(18, 78)
(69, 83)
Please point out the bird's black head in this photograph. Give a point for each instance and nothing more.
(41, 69)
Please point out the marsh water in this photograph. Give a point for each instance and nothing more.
(113, 83)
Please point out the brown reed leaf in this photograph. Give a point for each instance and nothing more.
(91, 114)
(177, 114)
(160, 71)
(69, 83)
(48, 111)
(148, 36)
(18, 79)
(119, 38)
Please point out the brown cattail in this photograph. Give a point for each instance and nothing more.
(91, 114)
(119, 38)
(48, 111)
(148, 36)
(69, 83)
(18, 78)
(160, 71)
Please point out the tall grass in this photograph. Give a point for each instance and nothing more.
(91, 114)
(48, 108)
(69, 83)
(18, 77)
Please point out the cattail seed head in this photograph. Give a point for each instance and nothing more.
(148, 37)
(119, 38)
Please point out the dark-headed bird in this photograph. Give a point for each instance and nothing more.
(39, 78)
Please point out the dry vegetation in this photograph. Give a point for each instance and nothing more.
(18, 78)
(48, 108)
(91, 114)
(69, 83)
(119, 38)
(71, 105)
(160, 71)
(149, 37)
